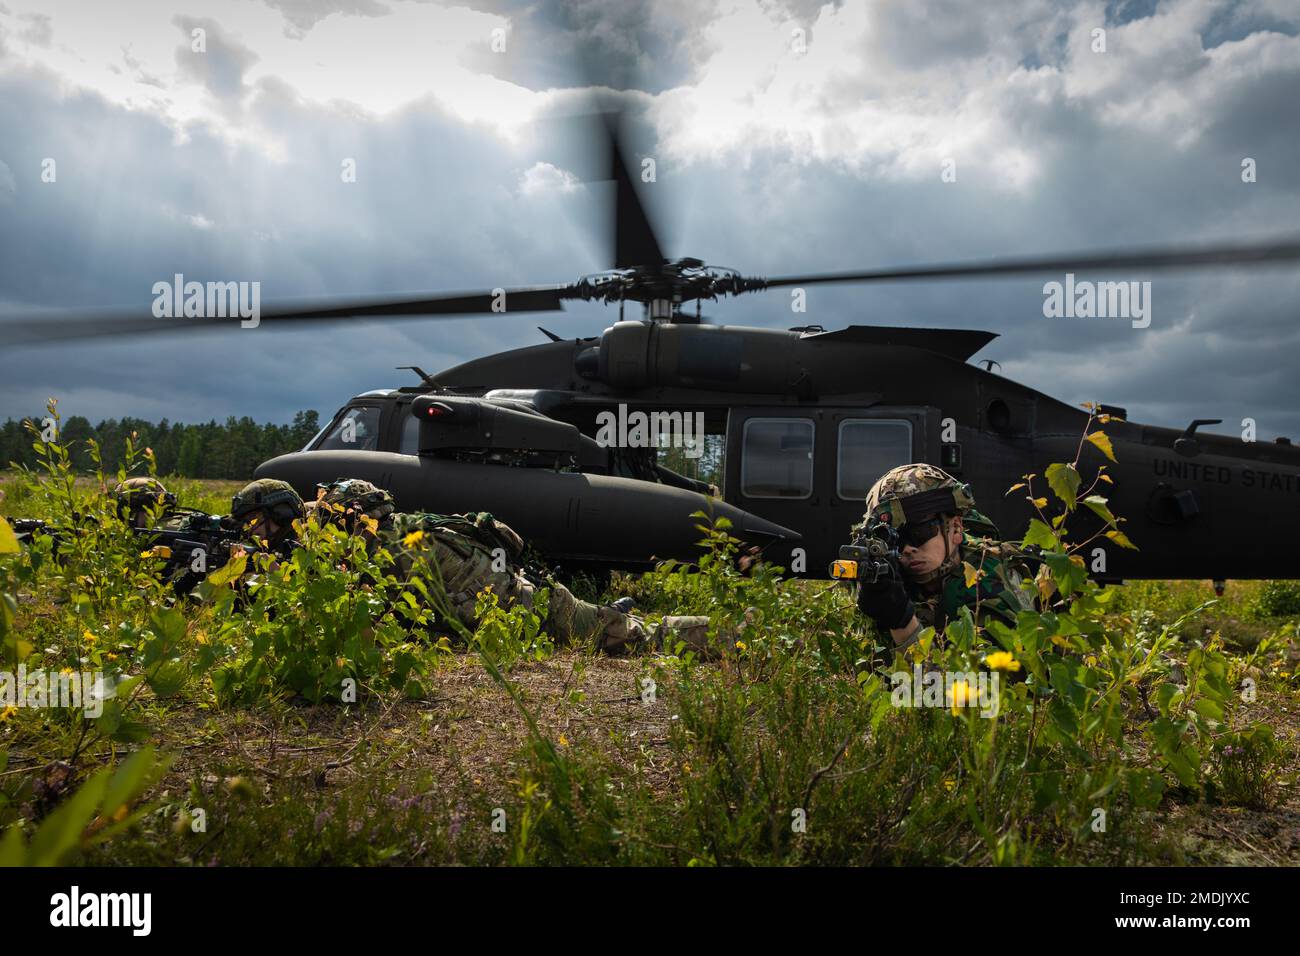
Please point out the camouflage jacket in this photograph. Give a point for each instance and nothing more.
(997, 591)
(462, 553)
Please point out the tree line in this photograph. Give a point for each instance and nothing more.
(211, 450)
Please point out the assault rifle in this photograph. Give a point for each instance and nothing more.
(26, 529)
(193, 543)
(873, 555)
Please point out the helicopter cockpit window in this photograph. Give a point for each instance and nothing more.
(867, 449)
(356, 430)
(777, 458)
(410, 443)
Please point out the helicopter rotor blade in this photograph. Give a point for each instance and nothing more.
(635, 242)
(1237, 254)
(98, 323)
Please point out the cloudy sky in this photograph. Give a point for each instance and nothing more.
(225, 164)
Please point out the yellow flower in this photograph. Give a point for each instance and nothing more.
(742, 645)
(87, 636)
(1002, 661)
(564, 741)
(960, 695)
(412, 539)
(111, 656)
(950, 785)
(7, 713)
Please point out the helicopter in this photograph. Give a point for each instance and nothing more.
(809, 417)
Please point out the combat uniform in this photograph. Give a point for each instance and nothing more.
(136, 498)
(996, 593)
(462, 555)
(276, 501)
(920, 493)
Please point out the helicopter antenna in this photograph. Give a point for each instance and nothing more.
(425, 377)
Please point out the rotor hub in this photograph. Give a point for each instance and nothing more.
(662, 289)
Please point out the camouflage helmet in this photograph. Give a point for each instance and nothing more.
(359, 495)
(916, 491)
(277, 498)
(136, 494)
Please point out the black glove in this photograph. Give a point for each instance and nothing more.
(886, 602)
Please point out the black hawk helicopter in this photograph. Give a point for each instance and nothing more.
(810, 419)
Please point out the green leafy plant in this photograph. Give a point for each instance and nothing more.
(98, 810)
(513, 633)
(1277, 599)
(326, 621)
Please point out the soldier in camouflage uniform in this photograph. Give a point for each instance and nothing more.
(266, 509)
(137, 497)
(462, 555)
(137, 501)
(934, 514)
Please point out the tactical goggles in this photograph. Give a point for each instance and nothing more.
(252, 520)
(915, 534)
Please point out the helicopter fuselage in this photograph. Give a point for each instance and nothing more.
(812, 418)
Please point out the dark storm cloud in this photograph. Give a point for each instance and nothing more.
(431, 209)
(445, 203)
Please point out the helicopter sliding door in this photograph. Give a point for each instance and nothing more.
(809, 468)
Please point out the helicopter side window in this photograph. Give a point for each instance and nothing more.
(867, 449)
(410, 443)
(777, 458)
(356, 430)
